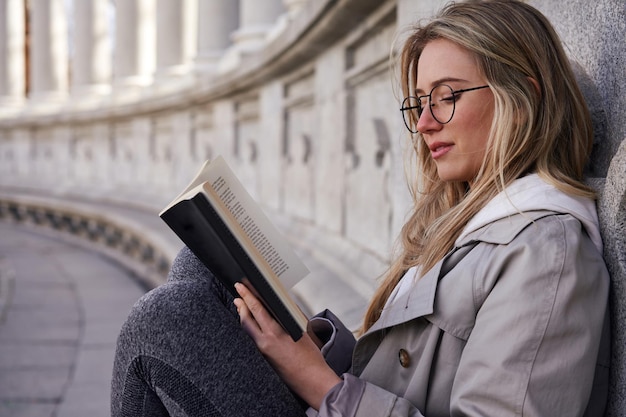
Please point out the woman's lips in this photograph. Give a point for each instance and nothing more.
(439, 149)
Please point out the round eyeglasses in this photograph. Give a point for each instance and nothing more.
(441, 102)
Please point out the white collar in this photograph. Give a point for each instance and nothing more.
(532, 193)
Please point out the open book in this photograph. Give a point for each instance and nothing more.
(227, 230)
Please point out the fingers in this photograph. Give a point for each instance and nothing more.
(251, 301)
(252, 313)
(254, 317)
(246, 319)
(255, 307)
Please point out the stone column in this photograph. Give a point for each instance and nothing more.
(175, 36)
(410, 11)
(256, 18)
(48, 50)
(12, 66)
(217, 20)
(135, 42)
(91, 63)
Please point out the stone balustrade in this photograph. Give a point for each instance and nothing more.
(132, 240)
(299, 96)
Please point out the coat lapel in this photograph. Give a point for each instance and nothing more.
(417, 302)
(420, 300)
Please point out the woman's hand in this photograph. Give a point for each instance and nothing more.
(300, 364)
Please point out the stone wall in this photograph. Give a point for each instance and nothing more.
(302, 103)
(595, 36)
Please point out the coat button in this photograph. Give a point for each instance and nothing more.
(405, 359)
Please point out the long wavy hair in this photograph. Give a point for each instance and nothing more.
(541, 125)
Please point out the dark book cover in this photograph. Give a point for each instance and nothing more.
(200, 227)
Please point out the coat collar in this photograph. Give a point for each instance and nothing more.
(420, 300)
(504, 230)
(532, 193)
(417, 302)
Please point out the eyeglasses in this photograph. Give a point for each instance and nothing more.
(441, 102)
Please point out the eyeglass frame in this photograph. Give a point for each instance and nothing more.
(420, 109)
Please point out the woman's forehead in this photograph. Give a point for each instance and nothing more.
(442, 60)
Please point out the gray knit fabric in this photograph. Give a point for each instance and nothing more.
(182, 353)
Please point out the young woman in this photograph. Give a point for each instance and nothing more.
(496, 304)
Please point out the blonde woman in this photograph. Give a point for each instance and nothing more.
(496, 304)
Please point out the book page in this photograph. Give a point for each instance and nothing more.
(260, 240)
(266, 239)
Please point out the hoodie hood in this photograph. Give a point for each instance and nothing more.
(532, 193)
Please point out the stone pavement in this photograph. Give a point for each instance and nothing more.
(61, 308)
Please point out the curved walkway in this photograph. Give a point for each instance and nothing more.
(61, 308)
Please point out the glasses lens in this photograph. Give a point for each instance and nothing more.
(411, 111)
(442, 103)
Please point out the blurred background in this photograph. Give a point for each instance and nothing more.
(109, 107)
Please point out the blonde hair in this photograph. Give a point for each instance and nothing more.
(541, 124)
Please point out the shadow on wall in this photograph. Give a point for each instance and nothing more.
(601, 153)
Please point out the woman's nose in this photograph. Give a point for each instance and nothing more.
(427, 122)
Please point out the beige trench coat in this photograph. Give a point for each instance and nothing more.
(512, 323)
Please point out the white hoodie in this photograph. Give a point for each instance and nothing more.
(532, 193)
(524, 194)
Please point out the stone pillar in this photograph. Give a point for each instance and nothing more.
(410, 11)
(135, 42)
(48, 50)
(91, 63)
(256, 18)
(175, 36)
(217, 20)
(12, 66)
(271, 131)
